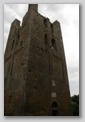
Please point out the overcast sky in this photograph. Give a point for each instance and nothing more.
(68, 16)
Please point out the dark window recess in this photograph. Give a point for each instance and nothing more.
(45, 22)
(29, 70)
(17, 39)
(46, 39)
(18, 36)
(11, 70)
(52, 27)
(12, 44)
(53, 44)
(41, 49)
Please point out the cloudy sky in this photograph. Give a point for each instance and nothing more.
(68, 16)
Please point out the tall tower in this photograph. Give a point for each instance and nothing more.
(36, 80)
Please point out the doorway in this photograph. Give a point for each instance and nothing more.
(54, 109)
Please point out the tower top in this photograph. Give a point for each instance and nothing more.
(33, 7)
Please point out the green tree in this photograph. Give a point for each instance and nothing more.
(75, 105)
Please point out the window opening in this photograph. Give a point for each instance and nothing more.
(53, 82)
(29, 70)
(51, 26)
(12, 44)
(45, 23)
(53, 94)
(46, 39)
(53, 44)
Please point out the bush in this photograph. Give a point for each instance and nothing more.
(75, 105)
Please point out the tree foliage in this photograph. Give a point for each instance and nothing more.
(75, 105)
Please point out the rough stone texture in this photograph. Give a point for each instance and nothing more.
(34, 58)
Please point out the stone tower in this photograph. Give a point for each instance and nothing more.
(35, 79)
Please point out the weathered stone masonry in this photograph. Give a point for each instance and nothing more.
(35, 79)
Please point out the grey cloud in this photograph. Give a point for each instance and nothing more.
(74, 88)
(55, 8)
(73, 70)
(10, 14)
(54, 12)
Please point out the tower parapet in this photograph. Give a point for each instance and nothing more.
(33, 7)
